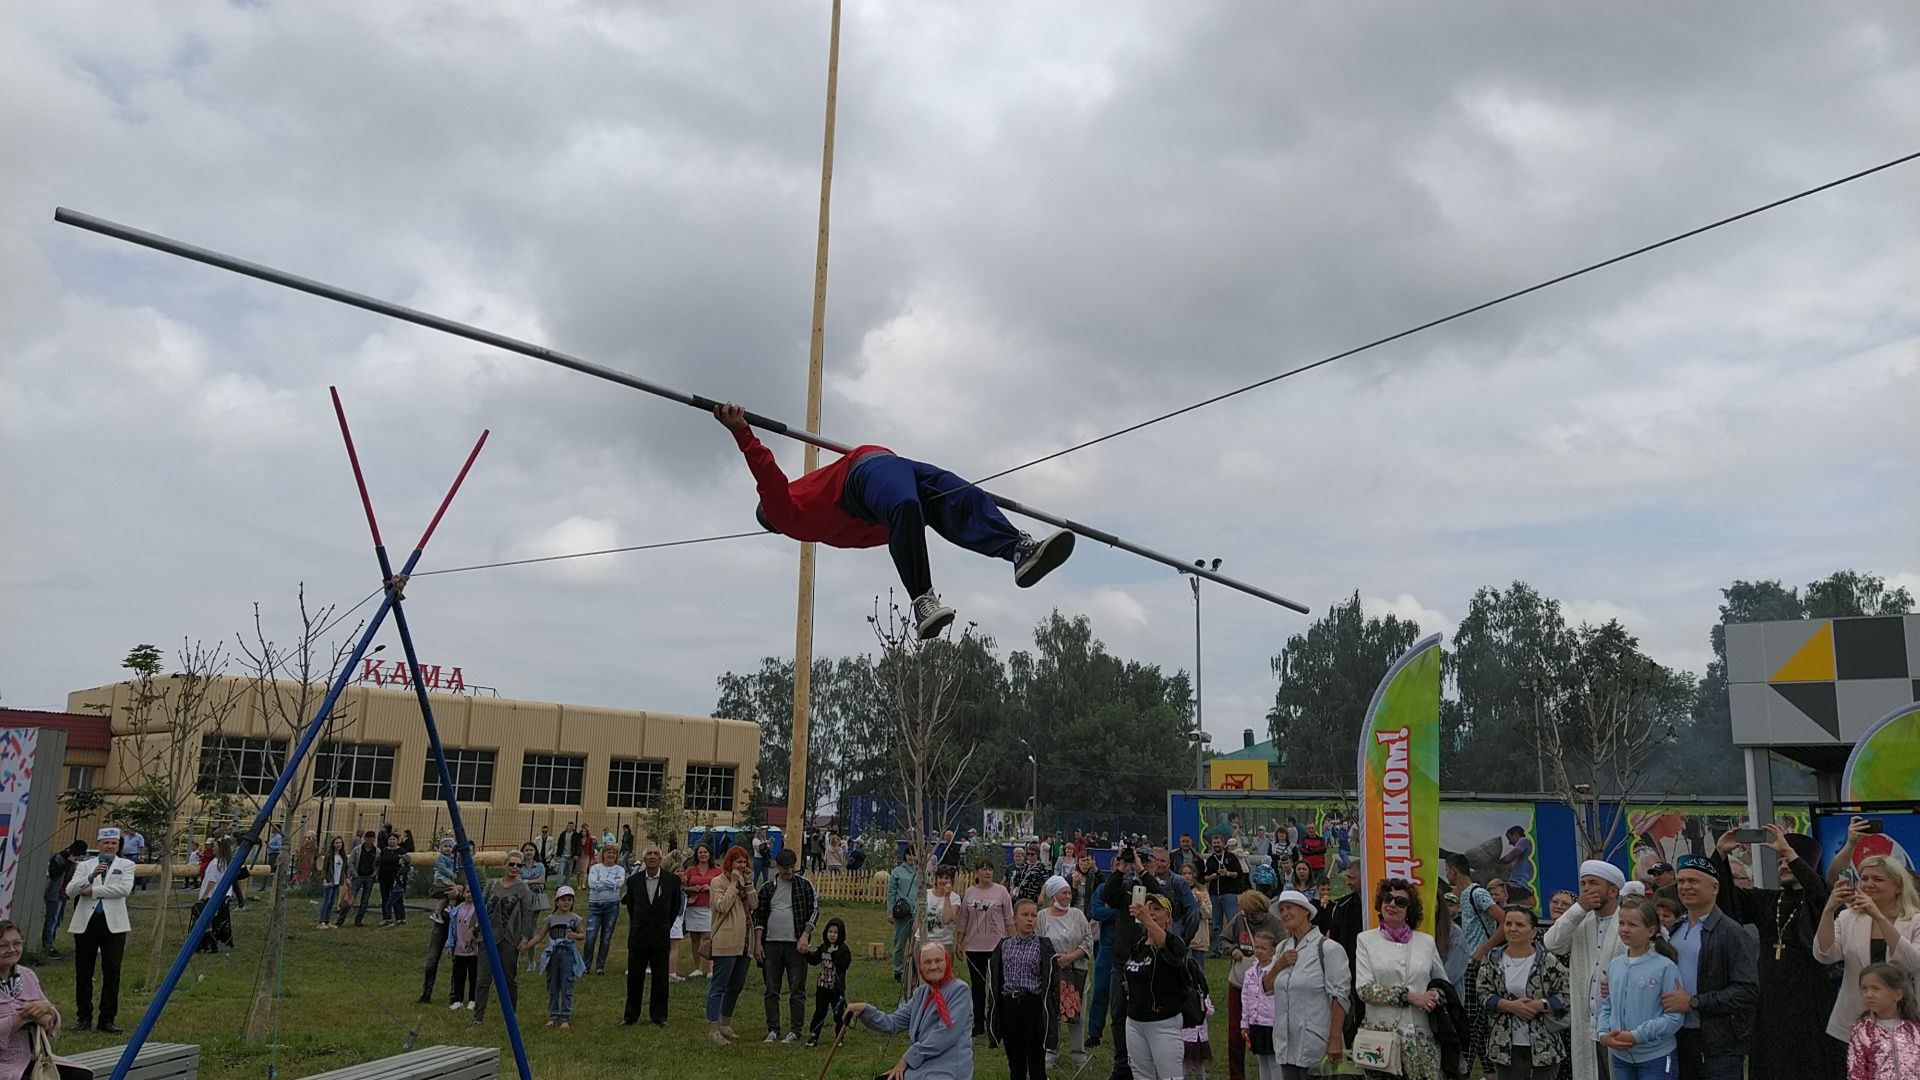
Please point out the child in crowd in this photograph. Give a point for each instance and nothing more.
(1885, 1041)
(830, 989)
(1671, 912)
(1630, 1021)
(463, 941)
(562, 959)
(1264, 877)
(1256, 1008)
(1196, 1051)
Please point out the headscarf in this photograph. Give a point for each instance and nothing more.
(936, 995)
(1054, 887)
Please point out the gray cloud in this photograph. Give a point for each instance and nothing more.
(1047, 222)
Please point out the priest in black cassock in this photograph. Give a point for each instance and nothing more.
(1790, 1040)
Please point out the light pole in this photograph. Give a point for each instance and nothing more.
(1199, 716)
(1201, 740)
(1033, 801)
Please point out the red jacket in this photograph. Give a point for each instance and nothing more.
(809, 508)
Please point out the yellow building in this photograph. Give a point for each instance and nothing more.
(517, 765)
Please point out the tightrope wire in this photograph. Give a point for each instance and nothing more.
(338, 619)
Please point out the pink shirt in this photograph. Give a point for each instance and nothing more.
(1256, 1004)
(16, 1052)
(986, 913)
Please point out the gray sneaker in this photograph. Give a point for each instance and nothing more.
(1035, 559)
(930, 616)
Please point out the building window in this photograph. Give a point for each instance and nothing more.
(551, 780)
(472, 777)
(710, 787)
(353, 771)
(234, 765)
(635, 783)
(82, 778)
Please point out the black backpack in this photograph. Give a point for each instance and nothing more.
(1451, 1031)
(1193, 1010)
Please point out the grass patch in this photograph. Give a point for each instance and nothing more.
(349, 996)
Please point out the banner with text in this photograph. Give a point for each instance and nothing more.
(1399, 774)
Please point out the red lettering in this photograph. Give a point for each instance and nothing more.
(396, 673)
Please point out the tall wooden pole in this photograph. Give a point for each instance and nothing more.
(797, 808)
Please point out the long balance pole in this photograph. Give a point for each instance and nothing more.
(509, 1013)
(799, 808)
(574, 363)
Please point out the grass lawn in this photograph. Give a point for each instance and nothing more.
(349, 996)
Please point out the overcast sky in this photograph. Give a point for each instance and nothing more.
(1048, 221)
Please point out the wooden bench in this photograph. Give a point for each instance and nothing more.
(429, 1063)
(155, 1061)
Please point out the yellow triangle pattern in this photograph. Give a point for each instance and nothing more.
(1812, 662)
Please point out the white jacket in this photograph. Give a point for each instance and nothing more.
(1414, 965)
(1853, 946)
(1588, 943)
(109, 892)
(1303, 997)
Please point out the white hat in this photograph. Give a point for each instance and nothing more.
(564, 890)
(1605, 871)
(108, 832)
(1298, 899)
(1053, 887)
(1634, 888)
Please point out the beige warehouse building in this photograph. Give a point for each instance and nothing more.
(516, 765)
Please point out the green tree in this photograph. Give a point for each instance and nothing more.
(1327, 678)
(844, 750)
(1601, 724)
(1108, 734)
(1506, 646)
(668, 820)
(81, 804)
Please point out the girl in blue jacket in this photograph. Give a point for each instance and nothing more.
(1630, 1022)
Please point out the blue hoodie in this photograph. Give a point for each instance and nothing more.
(1632, 1003)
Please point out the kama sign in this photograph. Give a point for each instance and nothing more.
(394, 673)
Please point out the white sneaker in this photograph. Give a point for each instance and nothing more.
(792, 1039)
(930, 616)
(772, 1037)
(1035, 559)
(456, 1005)
(471, 1004)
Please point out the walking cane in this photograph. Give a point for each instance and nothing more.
(839, 1034)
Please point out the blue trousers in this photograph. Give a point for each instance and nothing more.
(1660, 1068)
(907, 496)
(723, 989)
(602, 917)
(56, 907)
(1102, 986)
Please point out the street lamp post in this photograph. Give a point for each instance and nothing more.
(1199, 716)
(1033, 801)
